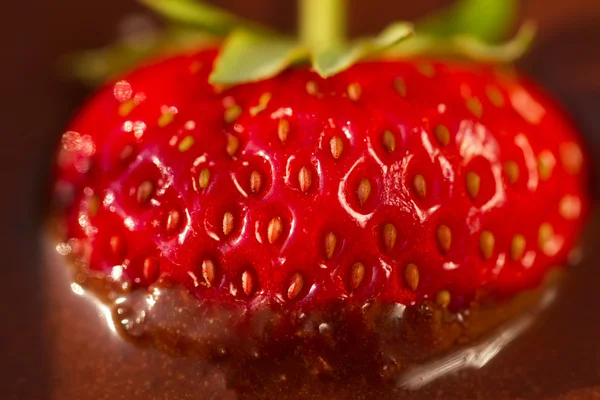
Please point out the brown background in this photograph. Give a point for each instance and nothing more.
(35, 104)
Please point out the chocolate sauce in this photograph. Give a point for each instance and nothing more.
(155, 342)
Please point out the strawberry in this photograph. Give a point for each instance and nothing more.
(396, 180)
(361, 216)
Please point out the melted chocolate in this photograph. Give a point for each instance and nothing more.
(86, 343)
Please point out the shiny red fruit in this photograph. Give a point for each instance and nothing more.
(395, 180)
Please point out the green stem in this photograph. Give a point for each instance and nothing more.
(322, 22)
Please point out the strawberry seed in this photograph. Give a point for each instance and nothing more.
(444, 237)
(296, 284)
(389, 236)
(336, 146)
(305, 179)
(255, 182)
(208, 272)
(363, 191)
(204, 178)
(274, 230)
(517, 247)
(443, 298)
(228, 221)
(357, 274)
(248, 283)
(420, 186)
(144, 192)
(411, 276)
(487, 242)
(389, 141)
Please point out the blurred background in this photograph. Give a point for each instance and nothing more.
(37, 102)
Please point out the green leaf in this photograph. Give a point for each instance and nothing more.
(249, 57)
(96, 66)
(468, 46)
(487, 20)
(334, 60)
(200, 15)
(505, 52)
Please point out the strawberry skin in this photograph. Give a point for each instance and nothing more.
(396, 180)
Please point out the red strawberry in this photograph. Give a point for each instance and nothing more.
(395, 181)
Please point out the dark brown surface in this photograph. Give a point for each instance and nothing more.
(562, 356)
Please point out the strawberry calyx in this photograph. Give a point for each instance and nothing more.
(250, 52)
(249, 57)
(468, 46)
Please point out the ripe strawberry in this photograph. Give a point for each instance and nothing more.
(393, 180)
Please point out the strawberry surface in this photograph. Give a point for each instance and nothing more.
(395, 180)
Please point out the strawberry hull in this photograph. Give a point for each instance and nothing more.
(299, 191)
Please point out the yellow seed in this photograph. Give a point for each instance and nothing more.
(473, 184)
(305, 179)
(354, 91)
(400, 86)
(312, 88)
(255, 182)
(248, 283)
(166, 118)
(364, 191)
(474, 105)
(389, 141)
(517, 247)
(442, 134)
(93, 206)
(511, 169)
(444, 237)
(296, 284)
(173, 220)
(220, 88)
(357, 274)
(195, 67)
(426, 69)
(330, 243)
(570, 207)
(233, 143)
(546, 163)
(420, 186)
(495, 96)
(204, 178)
(389, 236)
(228, 221)
(126, 108)
(145, 191)
(571, 158)
(283, 130)
(274, 230)
(263, 102)
(208, 272)
(545, 235)
(117, 245)
(232, 113)
(186, 144)
(487, 242)
(336, 146)
(411, 276)
(443, 298)
(126, 153)
(150, 269)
